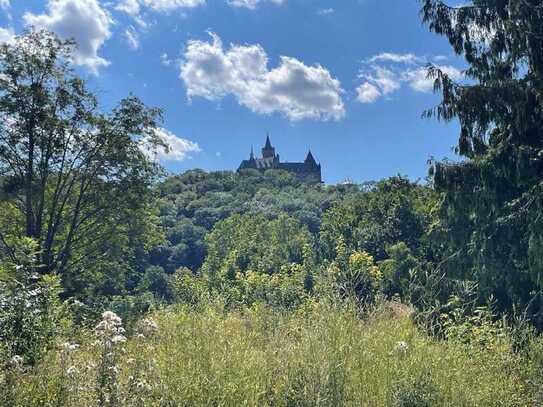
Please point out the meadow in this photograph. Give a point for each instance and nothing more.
(323, 353)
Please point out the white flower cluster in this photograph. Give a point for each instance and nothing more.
(147, 327)
(16, 361)
(110, 330)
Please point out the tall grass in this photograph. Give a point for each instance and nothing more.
(321, 354)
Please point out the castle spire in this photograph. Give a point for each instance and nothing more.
(268, 145)
(268, 151)
(252, 153)
(310, 159)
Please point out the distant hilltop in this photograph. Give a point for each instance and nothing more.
(308, 171)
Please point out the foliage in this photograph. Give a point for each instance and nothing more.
(253, 258)
(490, 219)
(392, 211)
(30, 310)
(74, 178)
(354, 274)
(398, 270)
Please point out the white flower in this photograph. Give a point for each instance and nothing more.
(70, 347)
(71, 370)
(118, 339)
(114, 369)
(17, 361)
(111, 316)
(401, 348)
(110, 330)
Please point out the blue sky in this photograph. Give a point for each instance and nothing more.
(344, 78)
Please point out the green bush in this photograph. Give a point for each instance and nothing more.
(30, 309)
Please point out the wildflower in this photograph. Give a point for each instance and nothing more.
(113, 369)
(118, 339)
(110, 330)
(111, 316)
(70, 347)
(16, 361)
(72, 370)
(148, 327)
(401, 348)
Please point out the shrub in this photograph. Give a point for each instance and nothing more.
(30, 309)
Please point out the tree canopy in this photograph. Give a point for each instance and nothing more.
(73, 177)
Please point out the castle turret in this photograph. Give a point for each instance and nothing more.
(268, 151)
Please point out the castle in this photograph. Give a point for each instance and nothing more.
(308, 171)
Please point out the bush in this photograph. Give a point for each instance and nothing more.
(30, 309)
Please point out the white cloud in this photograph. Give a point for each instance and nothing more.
(83, 20)
(385, 78)
(170, 5)
(7, 35)
(132, 38)
(251, 4)
(367, 93)
(165, 59)
(385, 73)
(294, 89)
(325, 11)
(179, 148)
(393, 57)
(131, 7)
(137, 8)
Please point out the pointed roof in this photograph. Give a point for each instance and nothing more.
(268, 145)
(252, 153)
(310, 159)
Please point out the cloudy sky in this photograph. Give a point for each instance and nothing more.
(344, 78)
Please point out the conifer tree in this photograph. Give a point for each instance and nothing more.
(492, 210)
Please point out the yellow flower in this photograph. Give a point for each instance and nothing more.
(361, 260)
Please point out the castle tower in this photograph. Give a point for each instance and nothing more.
(268, 151)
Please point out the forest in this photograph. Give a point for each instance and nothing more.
(124, 285)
